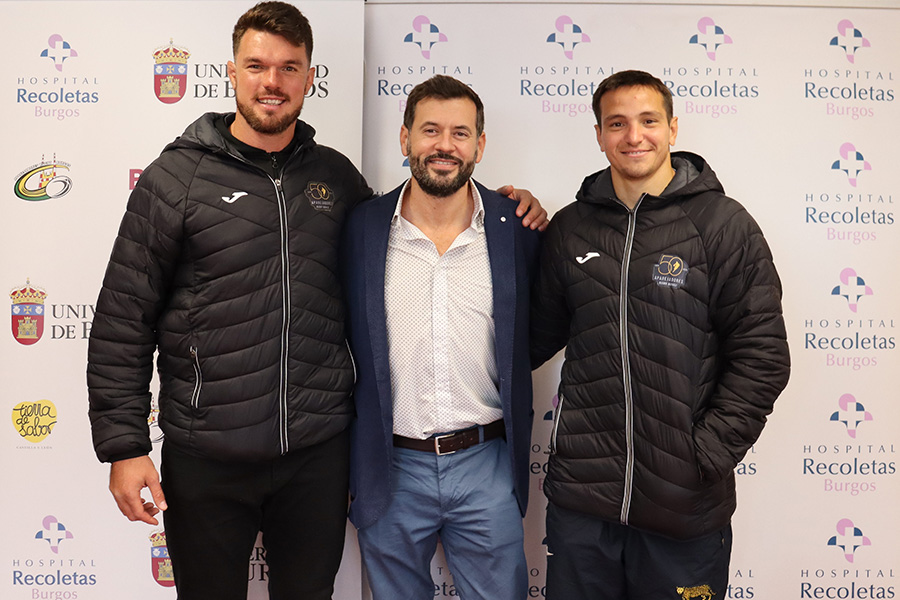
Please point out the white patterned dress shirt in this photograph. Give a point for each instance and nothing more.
(440, 329)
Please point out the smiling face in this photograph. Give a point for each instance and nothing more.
(635, 135)
(443, 145)
(270, 77)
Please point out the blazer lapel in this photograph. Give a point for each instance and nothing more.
(499, 221)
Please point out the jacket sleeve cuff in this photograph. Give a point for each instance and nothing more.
(125, 455)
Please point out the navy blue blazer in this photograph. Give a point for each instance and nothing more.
(513, 252)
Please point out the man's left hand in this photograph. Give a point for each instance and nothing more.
(535, 215)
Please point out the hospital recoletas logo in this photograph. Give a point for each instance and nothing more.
(170, 73)
(568, 35)
(58, 50)
(34, 420)
(852, 288)
(27, 313)
(851, 162)
(849, 39)
(851, 413)
(425, 35)
(548, 416)
(56, 92)
(849, 537)
(66, 574)
(710, 37)
(43, 181)
(53, 532)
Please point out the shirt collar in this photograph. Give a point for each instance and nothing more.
(477, 214)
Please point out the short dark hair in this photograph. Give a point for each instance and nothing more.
(445, 88)
(278, 18)
(631, 79)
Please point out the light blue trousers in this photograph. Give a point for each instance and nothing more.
(467, 500)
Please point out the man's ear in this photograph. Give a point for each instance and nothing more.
(232, 74)
(404, 140)
(479, 150)
(310, 78)
(599, 140)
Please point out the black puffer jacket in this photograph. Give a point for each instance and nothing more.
(232, 276)
(676, 350)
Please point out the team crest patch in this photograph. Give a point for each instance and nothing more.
(671, 271)
(698, 592)
(320, 196)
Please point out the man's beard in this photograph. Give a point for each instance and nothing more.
(267, 126)
(441, 187)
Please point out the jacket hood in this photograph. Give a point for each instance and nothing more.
(203, 133)
(693, 176)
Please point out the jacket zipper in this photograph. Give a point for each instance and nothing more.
(626, 366)
(556, 419)
(286, 317)
(285, 289)
(285, 295)
(198, 378)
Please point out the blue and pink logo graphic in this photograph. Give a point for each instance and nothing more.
(425, 35)
(852, 288)
(851, 162)
(53, 533)
(851, 414)
(850, 39)
(568, 35)
(711, 36)
(548, 416)
(849, 538)
(58, 50)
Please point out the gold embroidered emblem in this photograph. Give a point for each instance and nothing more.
(702, 592)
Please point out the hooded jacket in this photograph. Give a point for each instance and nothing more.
(231, 275)
(675, 350)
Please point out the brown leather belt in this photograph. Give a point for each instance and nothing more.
(452, 442)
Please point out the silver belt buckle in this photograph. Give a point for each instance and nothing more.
(437, 444)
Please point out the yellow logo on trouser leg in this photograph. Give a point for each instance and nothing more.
(701, 591)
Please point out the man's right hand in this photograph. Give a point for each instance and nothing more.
(127, 478)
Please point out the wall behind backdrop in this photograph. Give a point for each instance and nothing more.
(796, 108)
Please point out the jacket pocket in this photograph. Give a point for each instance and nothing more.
(556, 419)
(198, 378)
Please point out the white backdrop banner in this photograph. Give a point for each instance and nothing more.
(92, 92)
(790, 106)
(794, 107)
